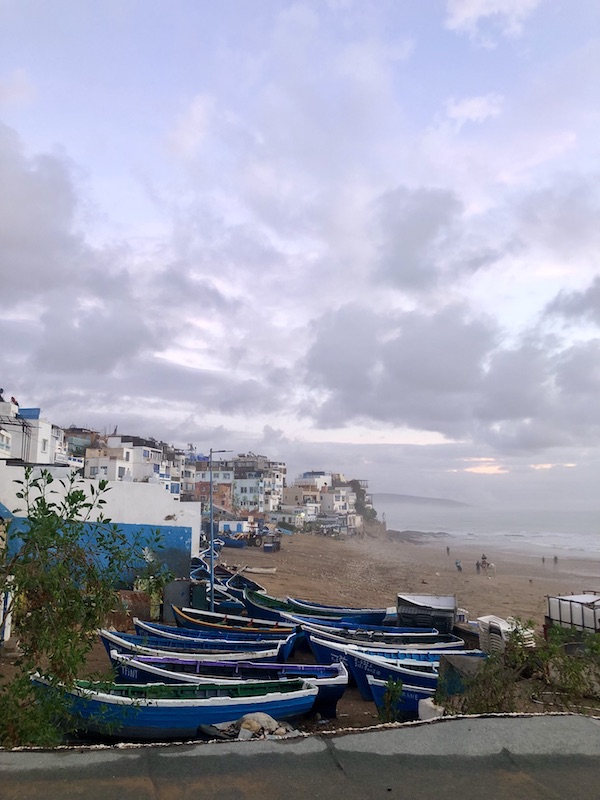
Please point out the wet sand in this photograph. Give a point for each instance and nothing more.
(372, 570)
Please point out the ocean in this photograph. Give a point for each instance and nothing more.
(574, 534)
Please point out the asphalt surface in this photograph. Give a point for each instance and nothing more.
(526, 758)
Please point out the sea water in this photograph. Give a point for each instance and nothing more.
(574, 534)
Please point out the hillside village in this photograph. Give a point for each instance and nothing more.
(246, 487)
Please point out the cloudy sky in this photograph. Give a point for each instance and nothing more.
(350, 234)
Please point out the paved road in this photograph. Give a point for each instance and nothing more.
(518, 758)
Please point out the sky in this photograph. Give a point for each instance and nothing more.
(357, 235)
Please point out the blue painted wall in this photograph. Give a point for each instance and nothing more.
(176, 540)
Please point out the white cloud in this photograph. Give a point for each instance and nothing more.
(474, 109)
(357, 228)
(510, 15)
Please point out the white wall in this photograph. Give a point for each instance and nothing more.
(130, 503)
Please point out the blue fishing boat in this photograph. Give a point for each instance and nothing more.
(234, 622)
(330, 680)
(386, 641)
(233, 541)
(416, 669)
(154, 645)
(260, 604)
(373, 616)
(420, 667)
(158, 712)
(327, 651)
(407, 705)
(238, 582)
(334, 625)
(242, 635)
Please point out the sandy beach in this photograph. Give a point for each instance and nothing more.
(372, 570)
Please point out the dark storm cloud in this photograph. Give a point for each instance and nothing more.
(414, 369)
(451, 373)
(517, 384)
(39, 248)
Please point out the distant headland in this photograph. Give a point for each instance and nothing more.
(411, 499)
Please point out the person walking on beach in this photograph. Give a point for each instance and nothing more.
(458, 565)
(478, 566)
(447, 551)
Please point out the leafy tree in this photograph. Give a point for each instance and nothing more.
(60, 564)
(368, 513)
(558, 674)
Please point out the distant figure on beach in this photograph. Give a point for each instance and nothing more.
(478, 566)
(458, 565)
(543, 559)
(555, 560)
(447, 551)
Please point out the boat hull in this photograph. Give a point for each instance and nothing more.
(407, 707)
(152, 646)
(141, 714)
(331, 681)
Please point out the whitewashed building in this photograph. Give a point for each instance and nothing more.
(33, 439)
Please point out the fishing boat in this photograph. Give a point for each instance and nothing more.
(409, 669)
(233, 541)
(418, 667)
(236, 584)
(407, 704)
(159, 712)
(187, 618)
(243, 634)
(365, 615)
(386, 641)
(326, 651)
(285, 641)
(331, 680)
(234, 622)
(260, 604)
(334, 625)
(154, 645)
(225, 601)
(261, 570)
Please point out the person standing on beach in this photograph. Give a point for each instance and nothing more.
(447, 551)
(458, 565)
(478, 566)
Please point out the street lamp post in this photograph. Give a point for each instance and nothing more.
(212, 536)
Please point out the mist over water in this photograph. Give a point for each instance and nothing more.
(534, 531)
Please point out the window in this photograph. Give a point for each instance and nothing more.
(93, 471)
(146, 453)
(44, 445)
(104, 470)
(127, 455)
(121, 472)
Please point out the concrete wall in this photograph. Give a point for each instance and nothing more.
(132, 506)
